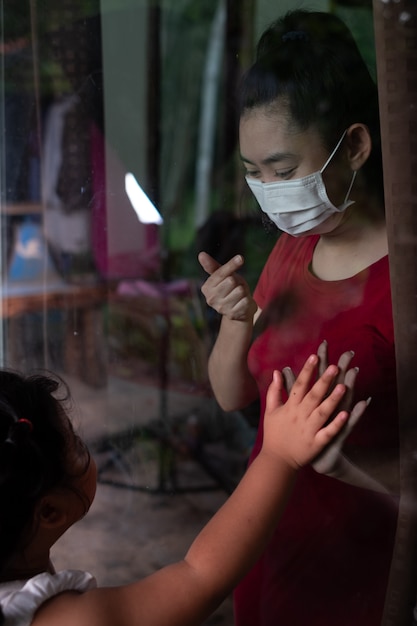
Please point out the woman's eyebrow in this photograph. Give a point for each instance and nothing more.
(276, 157)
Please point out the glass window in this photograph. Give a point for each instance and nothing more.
(127, 130)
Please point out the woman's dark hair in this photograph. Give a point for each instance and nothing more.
(37, 447)
(310, 62)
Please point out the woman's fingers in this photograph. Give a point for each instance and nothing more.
(323, 357)
(207, 262)
(350, 377)
(211, 266)
(225, 290)
(331, 393)
(343, 363)
(289, 379)
(355, 414)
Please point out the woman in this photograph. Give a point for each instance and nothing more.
(309, 141)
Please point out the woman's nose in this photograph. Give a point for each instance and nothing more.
(268, 178)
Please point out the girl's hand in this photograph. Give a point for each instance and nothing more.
(225, 290)
(296, 431)
(330, 460)
(346, 376)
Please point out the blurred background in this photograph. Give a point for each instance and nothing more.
(118, 164)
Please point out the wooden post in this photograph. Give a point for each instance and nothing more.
(239, 55)
(153, 139)
(396, 51)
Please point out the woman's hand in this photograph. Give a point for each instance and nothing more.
(299, 430)
(225, 290)
(331, 460)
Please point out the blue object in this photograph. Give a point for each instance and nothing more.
(30, 259)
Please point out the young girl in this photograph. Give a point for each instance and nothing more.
(48, 482)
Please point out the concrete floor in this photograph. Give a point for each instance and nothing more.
(130, 533)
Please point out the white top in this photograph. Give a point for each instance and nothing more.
(20, 599)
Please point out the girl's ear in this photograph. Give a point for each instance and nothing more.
(52, 511)
(359, 145)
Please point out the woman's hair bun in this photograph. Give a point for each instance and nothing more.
(295, 35)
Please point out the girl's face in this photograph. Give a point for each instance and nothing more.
(86, 485)
(81, 480)
(64, 505)
(273, 150)
(83, 483)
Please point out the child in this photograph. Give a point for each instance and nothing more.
(48, 482)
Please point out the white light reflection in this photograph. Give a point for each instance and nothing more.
(144, 209)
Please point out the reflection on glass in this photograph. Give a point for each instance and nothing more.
(147, 213)
(125, 126)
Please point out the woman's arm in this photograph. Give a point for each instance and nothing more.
(346, 471)
(231, 381)
(229, 294)
(337, 465)
(185, 593)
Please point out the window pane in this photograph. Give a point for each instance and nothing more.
(120, 161)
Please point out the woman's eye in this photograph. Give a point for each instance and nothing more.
(252, 174)
(285, 173)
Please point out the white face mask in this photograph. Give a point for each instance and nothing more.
(297, 206)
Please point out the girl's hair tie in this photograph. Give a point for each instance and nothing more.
(295, 35)
(19, 432)
(28, 423)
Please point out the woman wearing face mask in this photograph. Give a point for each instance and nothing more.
(310, 145)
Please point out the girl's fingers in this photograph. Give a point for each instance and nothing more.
(302, 382)
(274, 393)
(341, 425)
(328, 433)
(320, 389)
(327, 407)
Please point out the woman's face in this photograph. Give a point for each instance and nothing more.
(273, 150)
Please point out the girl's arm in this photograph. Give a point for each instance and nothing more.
(229, 294)
(186, 593)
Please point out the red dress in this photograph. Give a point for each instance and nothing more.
(328, 562)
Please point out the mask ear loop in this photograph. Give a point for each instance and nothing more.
(350, 186)
(330, 158)
(334, 152)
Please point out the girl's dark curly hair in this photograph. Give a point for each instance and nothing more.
(38, 452)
